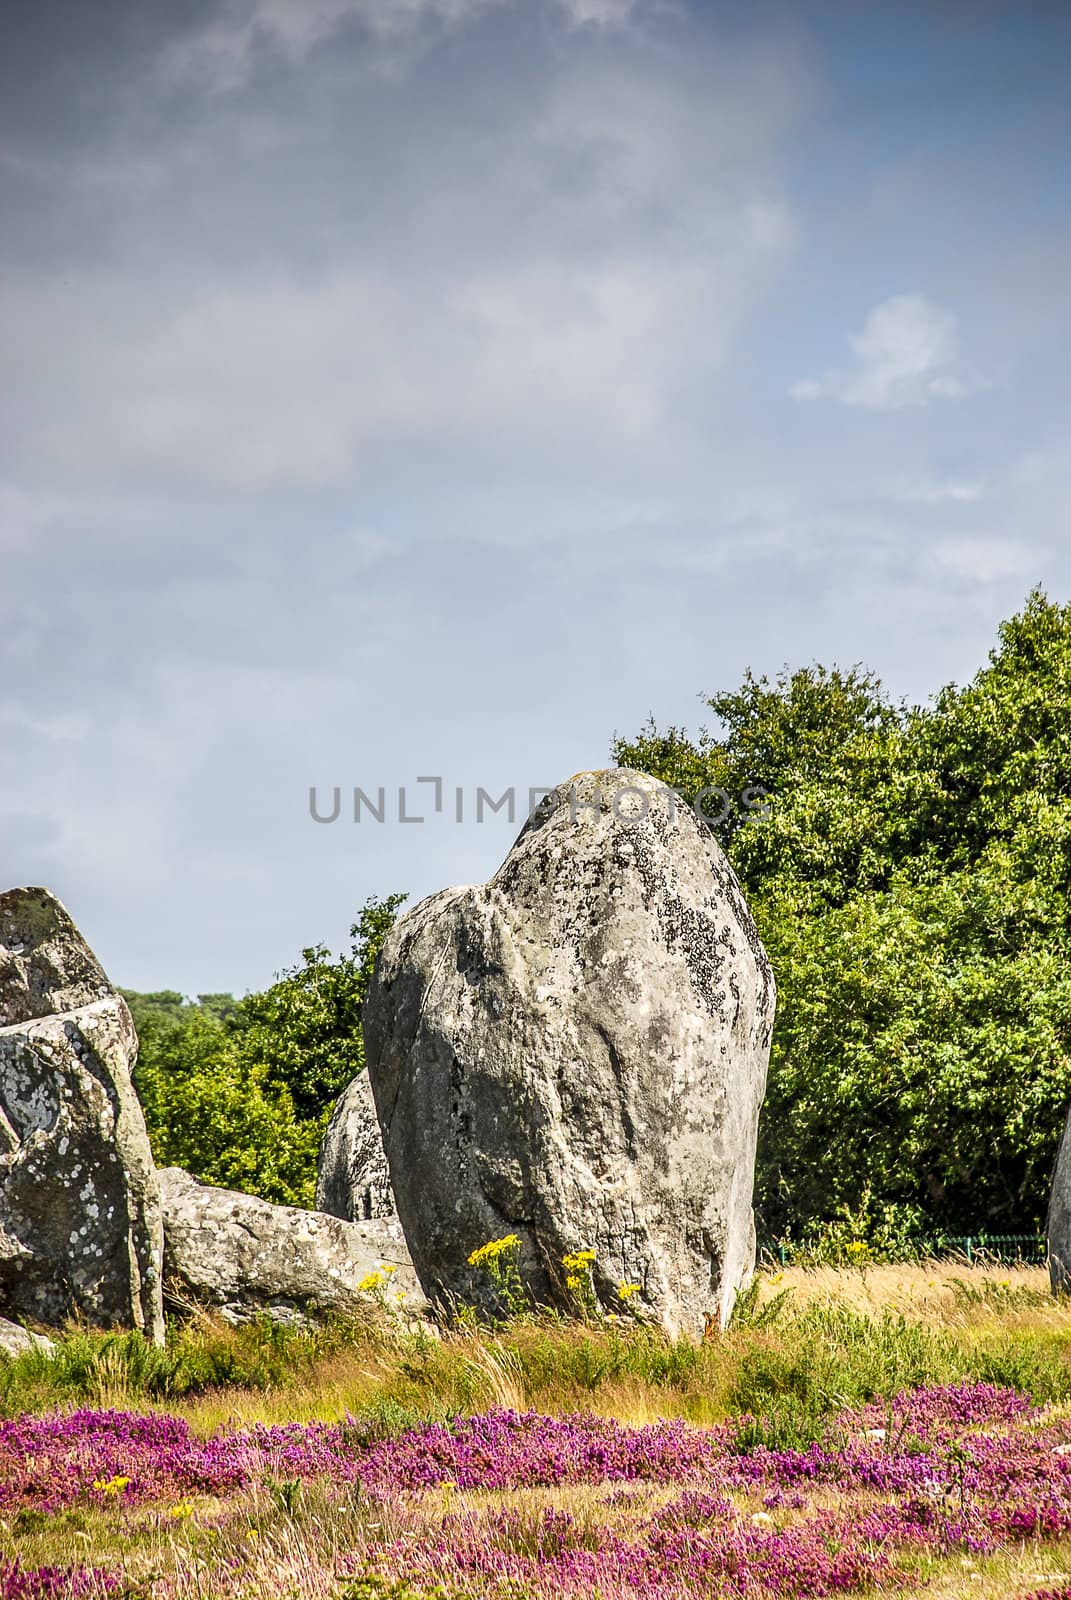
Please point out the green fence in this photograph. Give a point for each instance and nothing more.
(1027, 1248)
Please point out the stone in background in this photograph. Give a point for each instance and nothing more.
(352, 1176)
(243, 1256)
(1058, 1228)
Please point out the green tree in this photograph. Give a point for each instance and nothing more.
(910, 882)
(239, 1092)
(809, 764)
(305, 1030)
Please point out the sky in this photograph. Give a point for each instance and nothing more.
(399, 389)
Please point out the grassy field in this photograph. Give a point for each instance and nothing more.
(884, 1430)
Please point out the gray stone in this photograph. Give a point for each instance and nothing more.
(16, 1340)
(46, 967)
(245, 1256)
(576, 1053)
(80, 1229)
(352, 1177)
(1058, 1227)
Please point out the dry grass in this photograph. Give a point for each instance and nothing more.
(252, 1549)
(936, 1292)
(1034, 1566)
(852, 1331)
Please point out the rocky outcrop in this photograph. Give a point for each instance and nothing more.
(575, 1053)
(80, 1229)
(244, 1256)
(1058, 1228)
(352, 1177)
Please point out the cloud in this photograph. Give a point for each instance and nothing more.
(906, 355)
(985, 560)
(933, 491)
(280, 383)
(63, 728)
(552, 307)
(600, 13)
(221, 55)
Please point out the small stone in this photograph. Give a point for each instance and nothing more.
(16, 1340)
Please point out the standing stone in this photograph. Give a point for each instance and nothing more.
(1058, 1228)
(576, 1053)
(80, 1227)
(352, 1177)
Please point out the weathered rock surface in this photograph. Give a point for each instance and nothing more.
(15, 1340)
(46, 967)
(352, 1177)
(1058, 1228)
(576, 1053)
(245, 1255)
(80, 1229)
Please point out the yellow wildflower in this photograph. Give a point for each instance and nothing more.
(113, 1486)
(625, 1291)
(376, 1280)
(580, 1261)
(494, 1248)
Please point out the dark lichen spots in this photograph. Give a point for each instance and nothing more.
(684, 927)
(734, 990)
